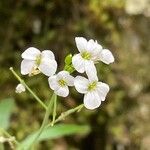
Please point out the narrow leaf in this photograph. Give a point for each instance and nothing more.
(55, 132)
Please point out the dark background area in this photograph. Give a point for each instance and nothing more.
(123, 26)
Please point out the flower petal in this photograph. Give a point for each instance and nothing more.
(96, 52)
(47, 54)
(62, 75)
(48, 67)
(62, 91)
(90, 46)
(27, 66)
(81, 43)
(53, 82)
(92, 100)
(106, 56)
(81, 84)
(70, 80)
(91, 70)
(78, 63)
(31, 53)
(102, 89)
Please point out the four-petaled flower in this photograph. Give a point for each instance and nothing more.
(35, 62)
(90, 53)
(60, 82)
(94, 91)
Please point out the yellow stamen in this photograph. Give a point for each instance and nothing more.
(92, 86)
(62, 82)
(86, 55)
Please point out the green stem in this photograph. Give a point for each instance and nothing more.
(8, 135)
(67, 113)
(45, 120)
(61, 117)
(54, 110)
(27, 87)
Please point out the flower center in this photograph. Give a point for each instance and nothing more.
(38, 60)
(92, 86)
(86, 55)
(62, 82)
(34, 71)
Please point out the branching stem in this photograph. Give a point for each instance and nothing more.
(67, 113)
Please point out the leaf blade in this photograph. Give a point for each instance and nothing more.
(54, 132)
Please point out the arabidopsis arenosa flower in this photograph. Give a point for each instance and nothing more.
(94, 91)
(60, 82)
(20, 88)
(90, 52)
(35, 62)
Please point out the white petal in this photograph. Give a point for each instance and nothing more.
(47, 54)
(48, 67)
(27, 66)
(62, 75)
(102, 89)
(81, 43)
(90, 46)
(70, 80)
(53, 82)
(91, 71)
(63, 91)
(92, 100)
(81, 84)
(31, 53)
(96, 52)
(78, 63)
(98, 46)
(106, 56)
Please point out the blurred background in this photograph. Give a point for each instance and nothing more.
(123, 26)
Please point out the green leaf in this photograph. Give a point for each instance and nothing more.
(6, 108)
(55, 132)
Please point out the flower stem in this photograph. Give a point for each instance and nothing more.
(61, 117)
(27, 87)
(54, 110)
(45, 120)
(67, 113)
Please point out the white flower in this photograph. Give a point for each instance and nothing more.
(90, 52)
(60, 82)
(20, 88)
(35, 62)
(94, 91)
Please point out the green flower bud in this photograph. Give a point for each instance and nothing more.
(68, 59)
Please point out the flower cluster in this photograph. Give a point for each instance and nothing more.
(90, 52)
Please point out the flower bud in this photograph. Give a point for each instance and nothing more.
(20, 88)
